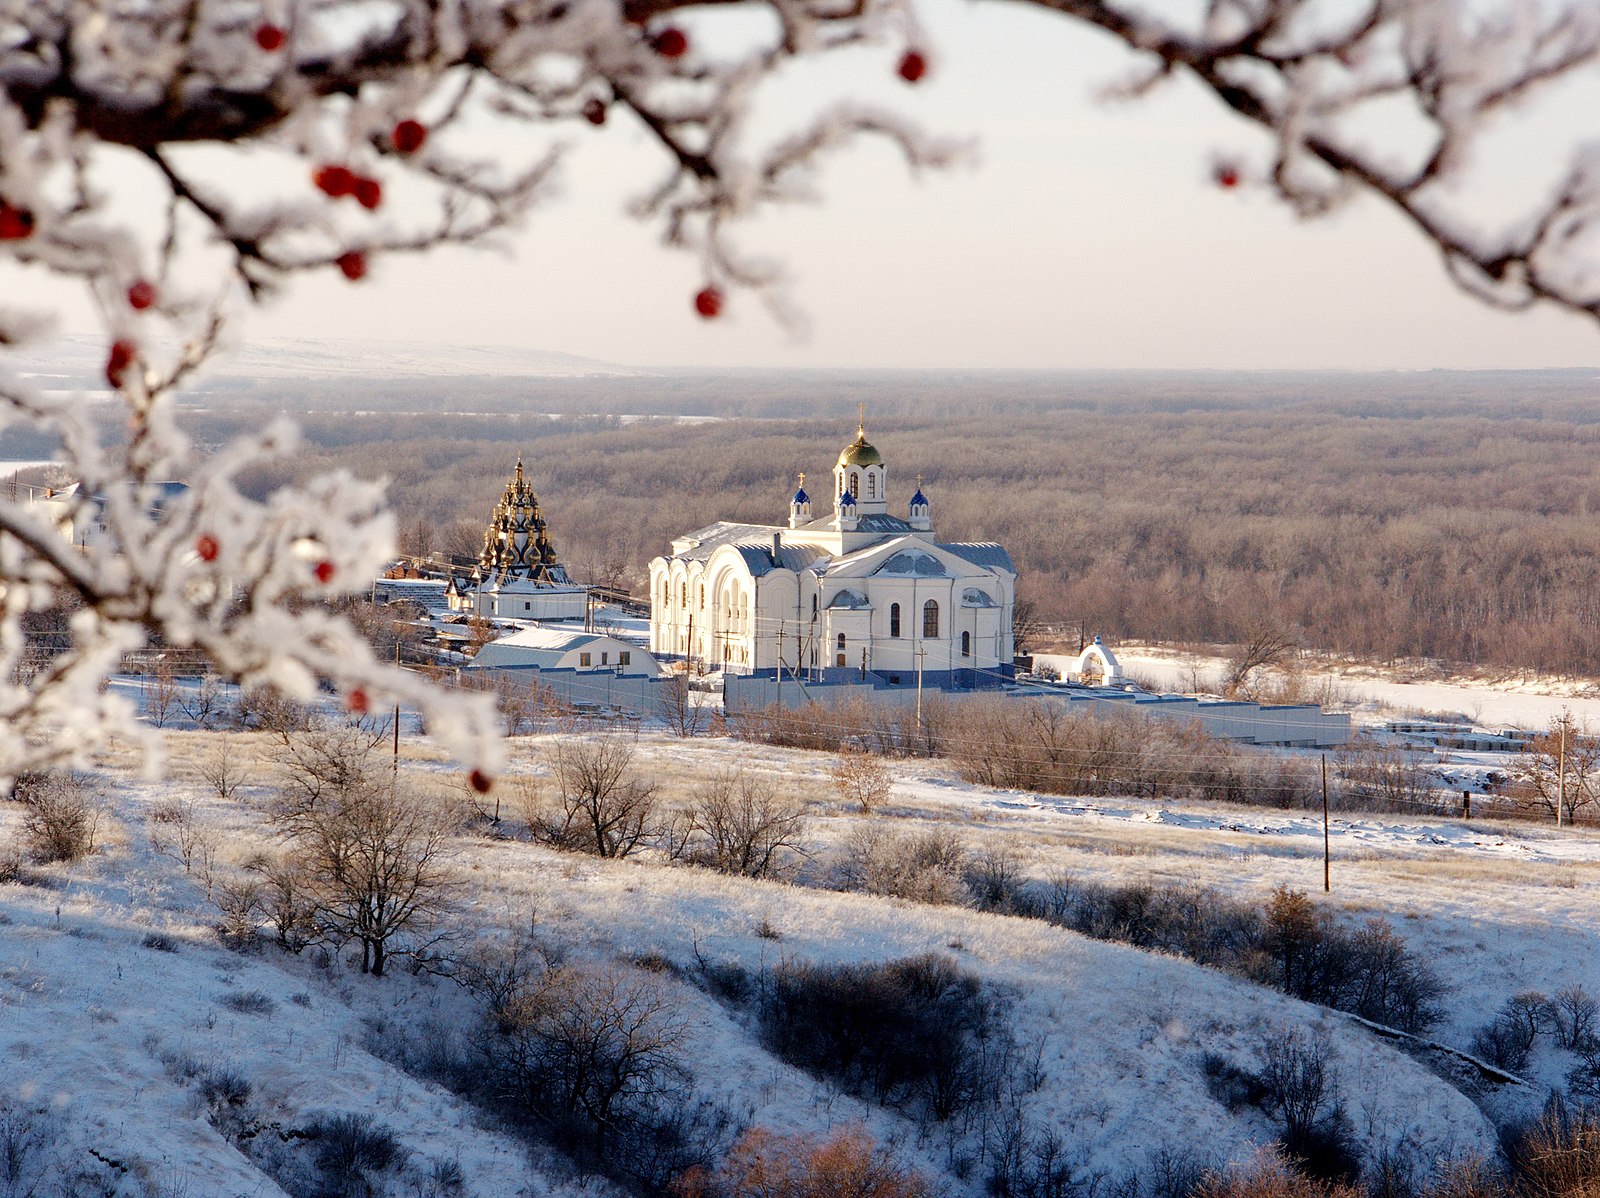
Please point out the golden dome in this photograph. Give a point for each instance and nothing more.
(860, 452)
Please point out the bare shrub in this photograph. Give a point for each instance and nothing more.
(237, 898)
(248, 1002)
(587, 1054)
(288, 898)
(1270, 1176)
(1574, 1012)
(924, 867)
(28, 1137)
(204, 704)
(160, 941)
(768, 1164)
(1506, 1041)
(352, 1150)
(603, 807)
(738, 823)
(181, 835)
(919, 1034)
(1385, 777)
(271, 711)
(225, 767)
(862, 778)
(61, 816)
(1559, 1156)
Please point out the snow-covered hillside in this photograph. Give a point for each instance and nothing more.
(120, 1005)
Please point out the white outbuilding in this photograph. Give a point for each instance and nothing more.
(560, 649)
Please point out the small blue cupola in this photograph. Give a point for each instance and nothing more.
(845, 506)
(921, 517)
(800, 505)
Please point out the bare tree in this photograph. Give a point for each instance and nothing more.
(1559, 768)
(678, 707)
(1265, 647)
(602, 806)
(374, 850)
(226, 766)
(743, 824)
(862, 778)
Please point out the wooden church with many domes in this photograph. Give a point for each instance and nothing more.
(854, 594)
(518, 576)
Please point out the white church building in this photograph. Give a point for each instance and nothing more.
(859, 594)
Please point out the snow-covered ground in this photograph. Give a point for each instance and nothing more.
(100, 1022)
(1373, 696)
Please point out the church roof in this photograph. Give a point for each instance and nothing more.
(758, 558)
(989, 554)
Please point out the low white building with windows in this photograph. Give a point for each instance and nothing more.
(854, 594)
(560, 649)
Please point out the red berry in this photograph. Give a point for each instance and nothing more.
(141, 295)
(353, 264)
(671, 42)
(206, 546)
(324, 570)
(369, 192)
(594, 111)
(708, 302)
(118, 360)
(337, 181)
(408, 136)
(1226, 175)
(15, 223)
(913, 66)
(356, 702)
(270, 37)
(480, 782)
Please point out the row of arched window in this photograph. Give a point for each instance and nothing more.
(930, 619)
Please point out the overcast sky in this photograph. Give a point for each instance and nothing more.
(1086, 235)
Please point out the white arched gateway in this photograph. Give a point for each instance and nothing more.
(1097, 666)
(858, 592)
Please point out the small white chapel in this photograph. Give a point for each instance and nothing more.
(858, 594)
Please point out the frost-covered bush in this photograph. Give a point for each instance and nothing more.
(62, 814)
(924, 867)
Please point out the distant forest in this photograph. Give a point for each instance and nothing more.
(1448, 515)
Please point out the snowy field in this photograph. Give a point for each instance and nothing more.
(1373, 695)
(100, 1024)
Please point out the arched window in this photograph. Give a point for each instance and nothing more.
(841, 642)
(872, 485)
(813, 607)
(702, 596)
(930, 619)
(683, 594)
(666, 594)
(894, 619)
(966, 644)
(855, 484)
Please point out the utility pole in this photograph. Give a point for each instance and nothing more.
(396, 770)
(1327, 866)
(920, 652)
(1561, 771)
(688, 649)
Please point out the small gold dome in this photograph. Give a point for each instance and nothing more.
(860, 452)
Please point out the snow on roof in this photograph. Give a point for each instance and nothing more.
(989, 554)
